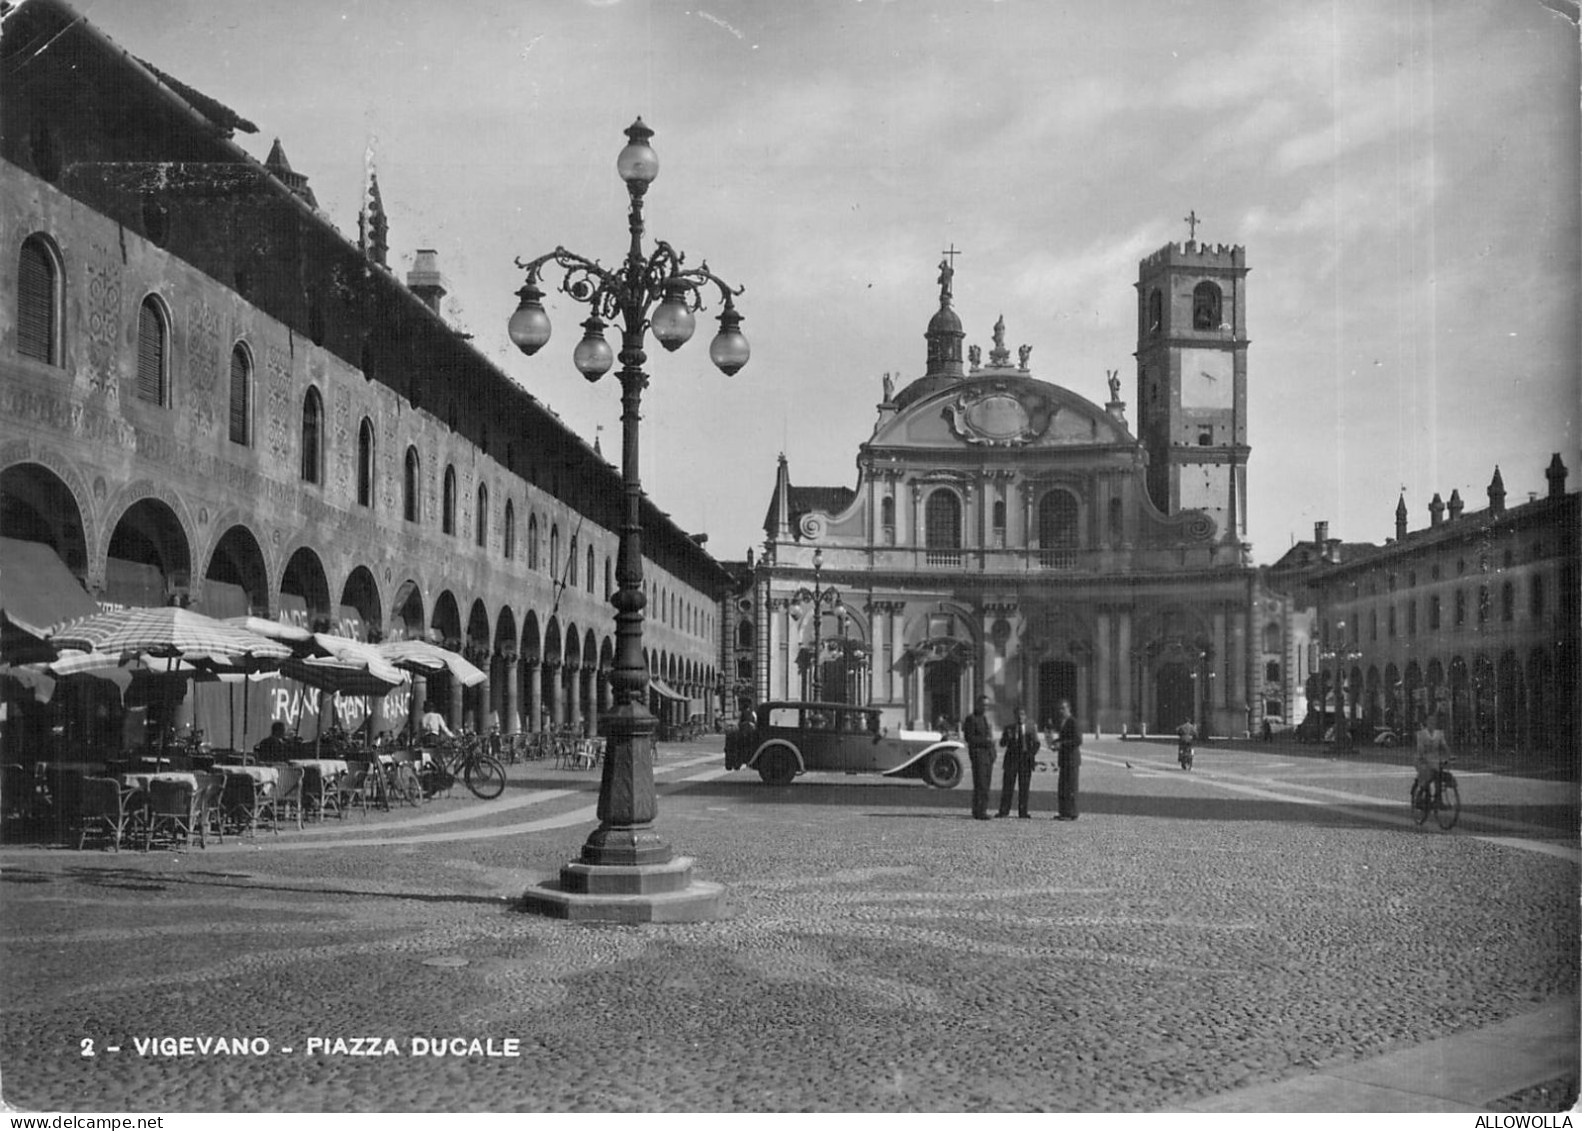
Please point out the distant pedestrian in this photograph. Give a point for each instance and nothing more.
(1068, 743)
(979, 736)
(1021, 750)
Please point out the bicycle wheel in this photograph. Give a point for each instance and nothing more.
(485, 777)
(1419, 804)
(1449, 807)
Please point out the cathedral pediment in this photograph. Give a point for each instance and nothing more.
(997, 417)
(1016, 412)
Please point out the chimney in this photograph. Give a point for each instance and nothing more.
(1436, 510)
(1455, 503)
(425, 281)
(1400, 517)
(1332, 551)
(1321, 533)
(1497, 492)
(1556, 474)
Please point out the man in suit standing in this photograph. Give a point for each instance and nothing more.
(1021, 749)
(979, 736)
(1068, 741)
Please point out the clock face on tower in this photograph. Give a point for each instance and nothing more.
(1208, 379)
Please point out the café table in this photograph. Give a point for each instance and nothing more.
(142, 779)
(261, 774)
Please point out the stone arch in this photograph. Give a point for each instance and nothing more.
(406, 613)
(361, 592)
(445, 621)
(238, 570)
(38, 504)
(305, 591)
(148, 560)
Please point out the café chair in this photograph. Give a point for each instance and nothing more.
(248, 802)
(352, 788)
(175, 809)
(103, 810)
(288, 793)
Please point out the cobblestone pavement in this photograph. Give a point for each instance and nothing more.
(1261, 918)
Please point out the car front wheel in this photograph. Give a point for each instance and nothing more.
(942, 769)
(777, 766)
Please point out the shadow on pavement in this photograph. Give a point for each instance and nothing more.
(905, 798)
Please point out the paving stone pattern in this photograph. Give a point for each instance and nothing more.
(882, 951)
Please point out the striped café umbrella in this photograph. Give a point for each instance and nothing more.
(421, 656)
(168, 633)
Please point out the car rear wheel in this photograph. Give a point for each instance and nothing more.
(777, 766)
(942, 769)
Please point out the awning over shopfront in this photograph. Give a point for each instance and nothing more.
(665, 690)
(36, 591)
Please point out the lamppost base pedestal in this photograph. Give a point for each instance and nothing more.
(639, 893)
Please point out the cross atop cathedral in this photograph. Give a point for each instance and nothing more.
(1192, 222)
(947, 271)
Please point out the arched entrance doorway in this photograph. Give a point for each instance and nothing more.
(1174, 699)
(942, 692)
(1057, 680)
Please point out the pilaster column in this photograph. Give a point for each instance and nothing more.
(511, 695)
(1124, 665)
(455, 708)
(1237, 692)
(571, 678)
(895, 681)
(414, 711)
(1103, 659)
(533, 674)
(549, 682)
(1221, 648)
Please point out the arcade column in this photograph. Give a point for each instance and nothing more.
(510, 695)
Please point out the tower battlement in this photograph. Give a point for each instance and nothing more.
(1194, 254)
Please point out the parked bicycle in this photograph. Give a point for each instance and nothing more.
(467, 758)
(1439, 797)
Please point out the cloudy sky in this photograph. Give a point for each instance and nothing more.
(1402, 173)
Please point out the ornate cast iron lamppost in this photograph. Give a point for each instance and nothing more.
(817, 596)
(626, 870)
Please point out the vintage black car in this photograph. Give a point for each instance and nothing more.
(790, 738)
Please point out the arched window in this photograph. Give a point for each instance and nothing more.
(447, 503)
(481, 519)
(1433, 611)
(1206, 306)
(887, 513)
(532, 541)
(1535, 595)
(38, 301)
(510, 530)
(609, 578)
(241, 395)
(1117, 522)
(942, 527)
(999, 522)
(591, 575)
(1156, 311)
(1057, 521)
(410, 481)
(744, 634)
(153, 354)
(571, 564)
(1507, 602)
(554, 550)
(312, 437)
(365, 463)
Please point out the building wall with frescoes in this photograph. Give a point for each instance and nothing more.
(212, 397)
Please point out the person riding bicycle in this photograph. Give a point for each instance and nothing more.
(1431, 750)
(1186, 735)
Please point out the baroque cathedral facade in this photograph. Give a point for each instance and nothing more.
(1010, 537)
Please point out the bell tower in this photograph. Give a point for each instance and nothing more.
(1192, 380)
